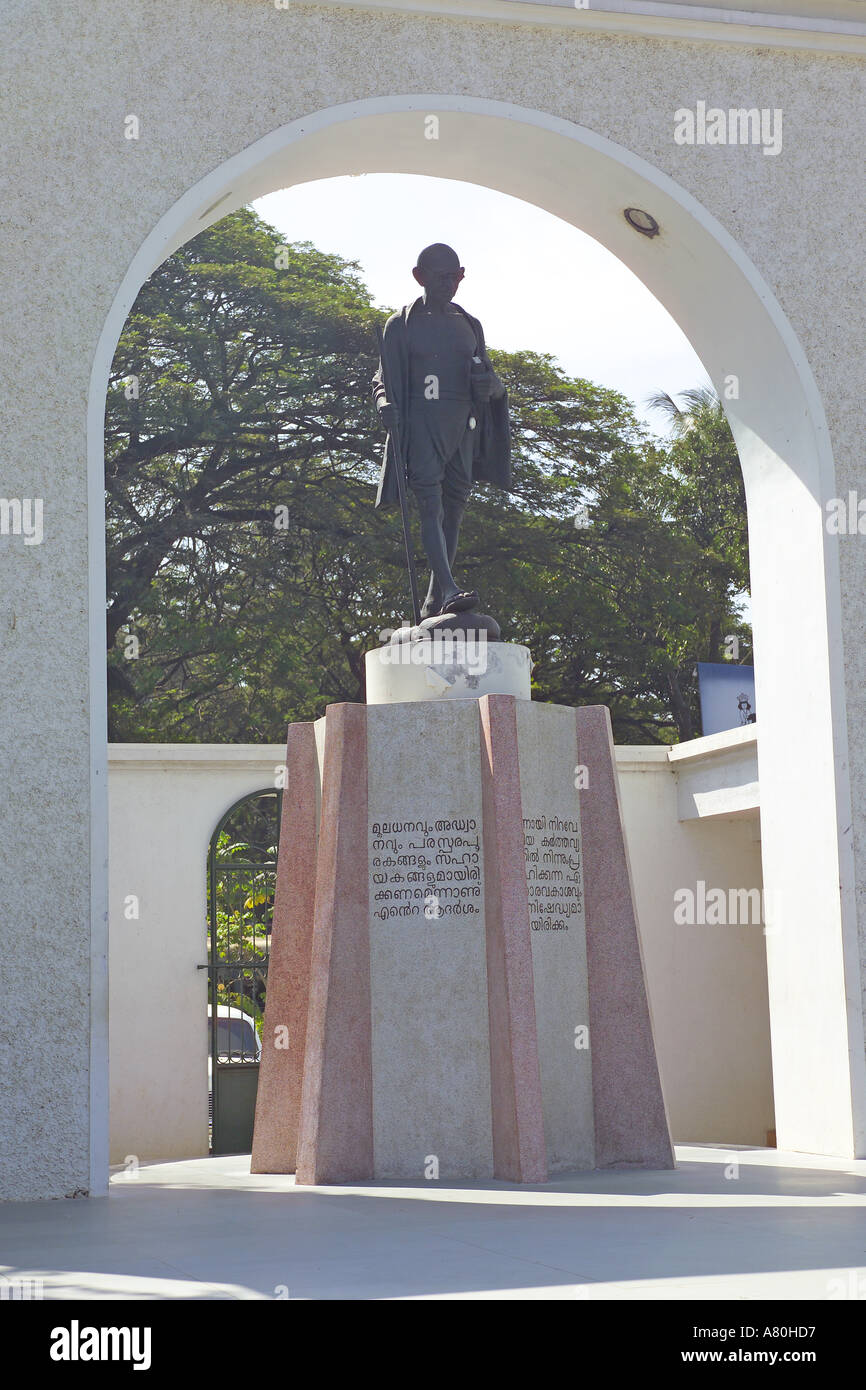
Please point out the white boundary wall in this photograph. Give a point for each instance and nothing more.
(165, 801)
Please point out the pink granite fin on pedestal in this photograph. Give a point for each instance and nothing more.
(335, 1141)
(278, 1100)
(631, 1124)
(519, 1151)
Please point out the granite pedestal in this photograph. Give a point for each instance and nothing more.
(456, 987)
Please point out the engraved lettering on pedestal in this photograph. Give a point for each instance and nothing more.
(426, 871)
(554, 871)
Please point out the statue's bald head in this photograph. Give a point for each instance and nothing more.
(439, 271)
(439, 256)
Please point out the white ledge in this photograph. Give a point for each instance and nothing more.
(805, 27)
(717, 776)
(711, 744)
(650, 757)
(202, 757)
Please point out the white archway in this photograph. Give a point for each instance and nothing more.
(732, 318)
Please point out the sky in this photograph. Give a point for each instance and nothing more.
(533, 280)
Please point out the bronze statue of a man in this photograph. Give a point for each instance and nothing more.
(451, 411)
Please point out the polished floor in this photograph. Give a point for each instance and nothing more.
(729, 1223)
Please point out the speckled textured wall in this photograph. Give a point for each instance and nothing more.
(205, 79)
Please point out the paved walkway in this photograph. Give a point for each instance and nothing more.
(778, 1226)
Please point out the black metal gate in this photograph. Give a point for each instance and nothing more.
(242, 866)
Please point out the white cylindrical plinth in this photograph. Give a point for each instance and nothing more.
(450, 666)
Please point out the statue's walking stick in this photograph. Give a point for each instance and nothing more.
(400, 465)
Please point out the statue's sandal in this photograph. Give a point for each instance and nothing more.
(458, 603)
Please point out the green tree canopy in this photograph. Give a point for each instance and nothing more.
(249, 571)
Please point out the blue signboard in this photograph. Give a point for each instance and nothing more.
(727, 695)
